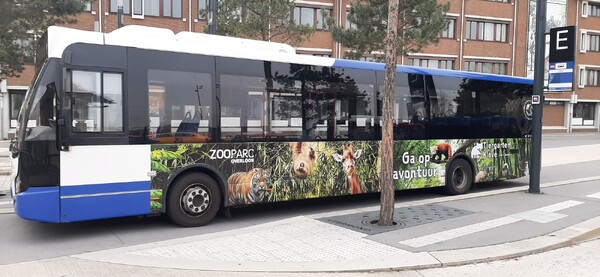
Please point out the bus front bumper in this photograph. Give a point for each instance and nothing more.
(38, 204)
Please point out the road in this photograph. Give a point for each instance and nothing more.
(30, 241)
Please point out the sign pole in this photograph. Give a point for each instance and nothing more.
(538, 91)
(212, 16)
(119, 13)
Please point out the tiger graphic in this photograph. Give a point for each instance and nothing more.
(250, 187)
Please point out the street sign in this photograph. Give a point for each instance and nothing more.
(535, 99)
(561, 59)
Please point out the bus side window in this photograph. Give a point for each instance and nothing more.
(179, 106)
(452, 109)
(97, 101)
(408, 107)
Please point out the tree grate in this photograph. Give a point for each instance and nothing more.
(405, 217)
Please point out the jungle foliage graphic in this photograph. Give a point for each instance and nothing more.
(299, 170)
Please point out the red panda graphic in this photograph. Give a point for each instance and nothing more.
(441, 149)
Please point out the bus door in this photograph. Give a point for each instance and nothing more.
(102, 175)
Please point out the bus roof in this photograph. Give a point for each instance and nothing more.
(143, 37)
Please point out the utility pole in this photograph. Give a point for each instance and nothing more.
(538, 91)
(119, 13)
(212, 17)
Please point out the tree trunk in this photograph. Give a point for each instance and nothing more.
(386, 212)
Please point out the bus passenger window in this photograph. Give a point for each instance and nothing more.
(113, 102)
(408, 107)
(97, 101)
(179, 106)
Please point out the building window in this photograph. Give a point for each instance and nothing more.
(322, 15)
(349, 25)
(591, 9)
(16, 99)
(203, 9)
(87, 7)
(431, 63)
(138, 8)
(314, 17)
(583, 42)
(583, 114)
(126, 6)
(449, 31)
(487, 31)
(486, 67)
(142, 8)
(593, 42)
(152, 7)
(172, 8)
(368, 58)
(591, 77)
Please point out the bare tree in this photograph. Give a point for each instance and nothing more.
(386, 212)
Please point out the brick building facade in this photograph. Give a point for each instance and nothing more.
(561, 112)
(483, 35)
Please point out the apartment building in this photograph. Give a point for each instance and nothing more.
(578, 110)
(482, 35)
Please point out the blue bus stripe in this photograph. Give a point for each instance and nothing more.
(87, 202)
(104, 188)
(105, 206)
(341, 63)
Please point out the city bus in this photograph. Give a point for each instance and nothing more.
(143, 121)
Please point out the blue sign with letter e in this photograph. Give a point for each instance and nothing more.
(560, 77)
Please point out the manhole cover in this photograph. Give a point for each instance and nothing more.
(403, 217)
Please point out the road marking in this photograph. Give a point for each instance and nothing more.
(541, 215)
(538, 216)
(6, 202)
(458, 232)
(595, 195)
(560, 206)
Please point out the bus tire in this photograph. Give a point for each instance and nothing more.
(459, 177)
(193, 200)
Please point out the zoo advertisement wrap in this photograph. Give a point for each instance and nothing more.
(281, 171)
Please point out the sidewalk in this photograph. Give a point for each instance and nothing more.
(480, 226)
(5, 166)
(4, 158)
(310, 244)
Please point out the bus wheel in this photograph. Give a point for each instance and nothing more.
(193, 200)
(459, 177)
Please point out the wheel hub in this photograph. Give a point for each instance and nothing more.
(195, 199)
(459, 177)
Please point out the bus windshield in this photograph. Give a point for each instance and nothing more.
(38, 106)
